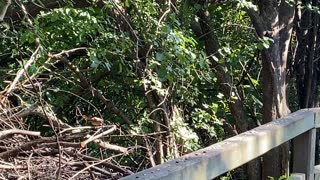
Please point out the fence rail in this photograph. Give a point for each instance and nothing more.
(231, 153)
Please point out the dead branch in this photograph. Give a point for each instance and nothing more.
(37, 144)
(27, 146)
(92, 138)
(22, 70)
(103, 171)
(88, 167)
(50, 116)
(77, 129)
(89, 170)
(106, 164)
(8, 132)
(35, 109)
(62, 143)
(4, 8)
(106, 145)
(81, 164)
(11, 167)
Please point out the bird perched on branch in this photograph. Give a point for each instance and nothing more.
(94, 121)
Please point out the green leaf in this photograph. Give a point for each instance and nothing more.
(254, 81)
(159, 56)
(95, 62)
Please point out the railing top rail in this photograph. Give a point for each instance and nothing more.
(231, 153)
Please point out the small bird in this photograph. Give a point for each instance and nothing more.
(94, 121)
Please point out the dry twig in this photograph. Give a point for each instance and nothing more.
(92, 138)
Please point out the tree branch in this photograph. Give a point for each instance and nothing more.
(15, 13)
(257, 21)
(8, 132)
(84, 83)
(113, 147)
(224, 79)
(92, 138)
(35, 109)
(23, 70)
(4, 4)
(106, 164)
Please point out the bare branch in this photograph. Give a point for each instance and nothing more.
(78, 51)
(101, 162)
(22, 70)
(8, 132)
(35, 109)
(23, 147)
(62, 143)
(92, 138)
(12, 167)
(4, 4)
(106, 145)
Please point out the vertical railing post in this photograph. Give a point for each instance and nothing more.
(317, 172)
(298, 176)
(317, 125)
(304, 153)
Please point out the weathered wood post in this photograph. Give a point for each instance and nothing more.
(297, 176)
(317, 125)
(304, 151)
(317, 172)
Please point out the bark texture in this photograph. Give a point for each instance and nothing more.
(274, 20)
(306, 59)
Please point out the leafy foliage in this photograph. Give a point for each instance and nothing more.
(147, 61)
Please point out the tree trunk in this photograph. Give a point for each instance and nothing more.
(160, 108)
(225, 84)
(274, 21)
(307, 28)
(306, 59)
